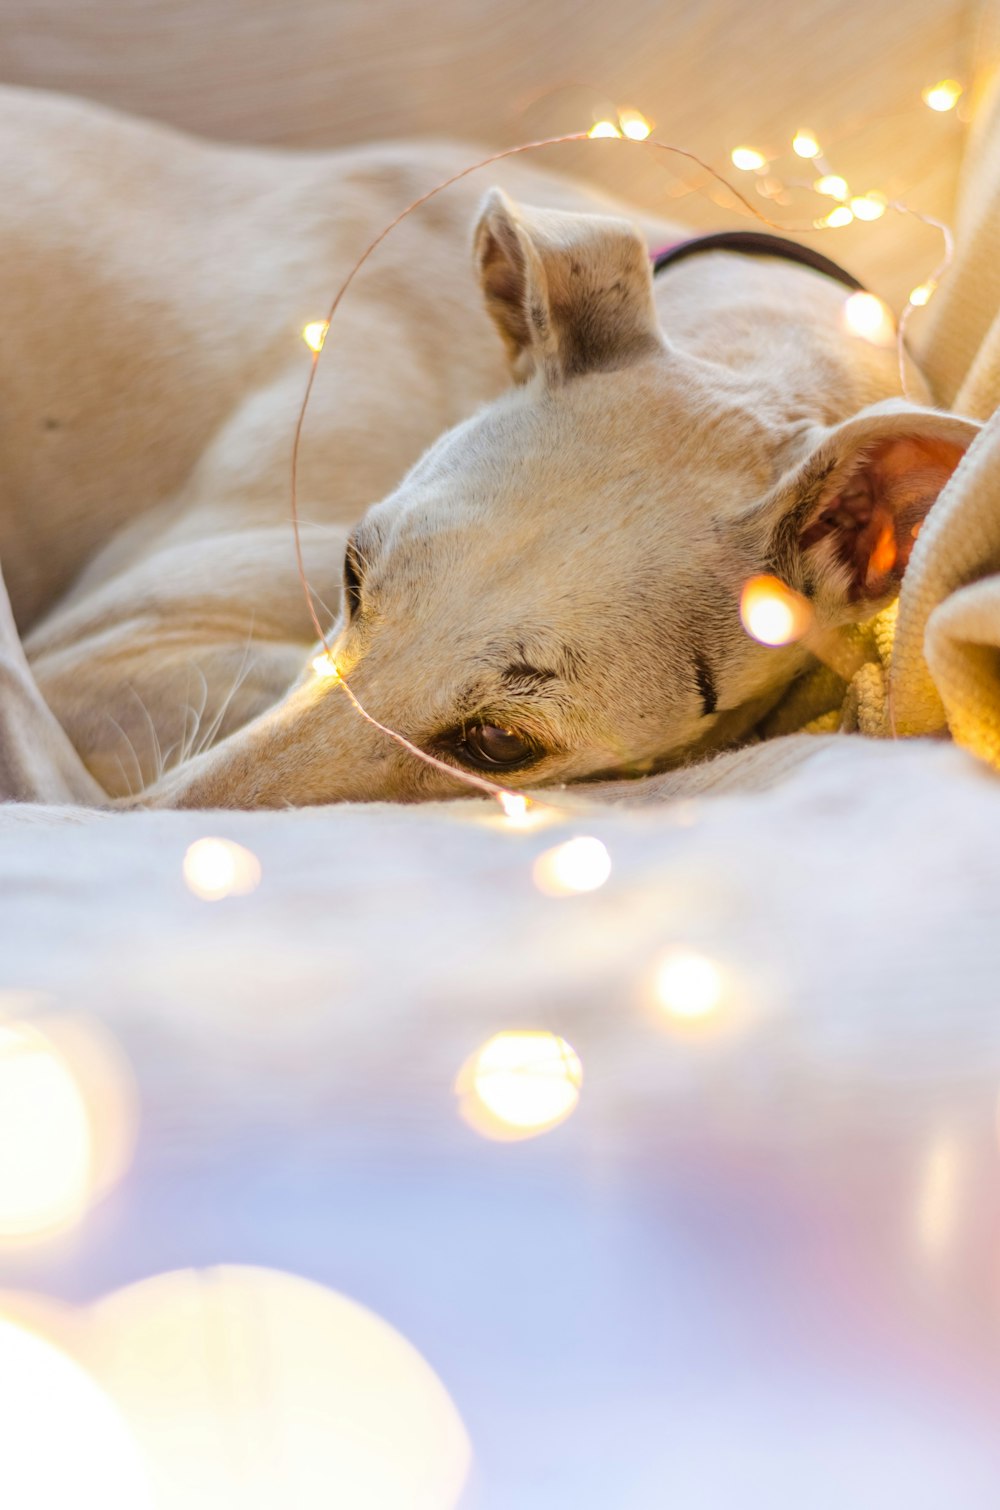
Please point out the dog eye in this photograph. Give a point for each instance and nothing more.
(488, 745)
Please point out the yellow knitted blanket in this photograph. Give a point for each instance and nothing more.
(931, 662)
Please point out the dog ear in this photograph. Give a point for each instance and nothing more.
(849, 516)
(568, 293)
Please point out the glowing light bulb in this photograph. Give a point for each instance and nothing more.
(64, 1443)
(515, 807)
(942, 96)
(577, 866)
(832, 185)
(519, 1084)
(804, 144)
(603, 128)
(867, 207)
(46, 1139)
(314, 334)
(923, 292)
(688, 986)
(748, 159)
(842, 215)
(634, 125)
(217, 868)
(325, 667)
(772, 613)
(866, 315)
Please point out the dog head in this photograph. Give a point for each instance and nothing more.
(552, 593)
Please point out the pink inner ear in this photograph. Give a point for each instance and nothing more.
(870, 525)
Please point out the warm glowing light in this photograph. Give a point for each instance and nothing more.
(578, 865)
(804, 144)
(325, 667)
(46, 1139)
(515, 807)
(688, 986)
(868, 316)
(253, 1388)
(842, 215)
(773, 613)
(867, 207)
(942, 96)
(922, 293)
(833, 185)
(634, 125)
(937, 1199)
(519, 1084)
(604, 128)
(747, 158)
(63, 1441)
(314, 334)
(217, 868)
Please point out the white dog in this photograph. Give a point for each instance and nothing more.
(550, 592)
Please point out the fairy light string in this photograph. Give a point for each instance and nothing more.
(634, 129)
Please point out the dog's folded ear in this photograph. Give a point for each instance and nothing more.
(847, 518)
(568, 293)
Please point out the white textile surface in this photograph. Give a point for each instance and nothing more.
(756, 1266)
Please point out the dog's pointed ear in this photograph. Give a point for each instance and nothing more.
(568, 293)
(849, 515)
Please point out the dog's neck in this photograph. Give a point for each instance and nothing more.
(778, 327)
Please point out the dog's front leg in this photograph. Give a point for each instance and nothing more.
(37, 761)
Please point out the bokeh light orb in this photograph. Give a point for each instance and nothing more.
(63, 1445)
(256, 1389)
(688, 986)
(868, 316)
(519, 1084)
(218, 868)
(580, 865)
(772, 613)
(46, 1138)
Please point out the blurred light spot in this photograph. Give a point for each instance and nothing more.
(252, 1388)
(688, 985)
(325, 667)
(804, 144)
(515, 807)
(942, 96)
(578, 865)
(867, 207)
(937, 1199)
(831, 184)
(519, 1084)
(604, 128)
(634, 125)
(772, 613)
(921, 295)
(217, 868)
(314, 334)
(748, 159)
(46, 1143)
(64, 1444)
(868, 316)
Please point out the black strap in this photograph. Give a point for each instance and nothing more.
(756, 244)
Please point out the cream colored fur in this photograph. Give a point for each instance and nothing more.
(564, 560)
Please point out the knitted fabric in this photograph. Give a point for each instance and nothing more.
(932, 663)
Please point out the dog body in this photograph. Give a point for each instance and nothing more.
(545, 584)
